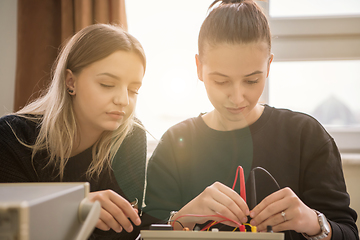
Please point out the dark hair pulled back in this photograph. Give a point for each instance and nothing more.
(234, 21)
(225, 2)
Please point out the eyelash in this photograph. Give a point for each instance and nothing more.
(110, 86)
(253, 82)
(134, 92)
(106, 86)
(220, 83)
(249, 82)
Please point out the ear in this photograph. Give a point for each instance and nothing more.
(270, 61)
(70, 82)
(199, 67)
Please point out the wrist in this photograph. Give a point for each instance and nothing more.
(313, 225)
(325, 229)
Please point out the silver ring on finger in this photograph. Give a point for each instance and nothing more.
(284, 216)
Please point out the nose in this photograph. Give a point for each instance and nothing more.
(122, 97)
(236, 95)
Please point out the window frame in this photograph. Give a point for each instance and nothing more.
(329, 40)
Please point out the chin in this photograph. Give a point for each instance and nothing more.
(238, 119)
(112, 127)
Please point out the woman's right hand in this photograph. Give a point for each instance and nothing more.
(217, 199)
(115, 211)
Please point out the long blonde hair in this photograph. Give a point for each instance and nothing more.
(53, 110)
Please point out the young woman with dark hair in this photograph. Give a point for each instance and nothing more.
(193, 168)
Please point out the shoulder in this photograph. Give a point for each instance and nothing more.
(11, 119)
(137, 132)
(186, 127)
(298, 123)
(287, 116)
(24, 128)
(135, 140)
(28, 121)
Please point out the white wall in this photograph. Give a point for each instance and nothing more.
(8, 28)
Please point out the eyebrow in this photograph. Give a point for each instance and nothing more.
(219, 74)
(109, 74)
(248, 75)
(254, 73)
(116, 77)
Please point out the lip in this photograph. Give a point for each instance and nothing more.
(236, 110)
(116, 114)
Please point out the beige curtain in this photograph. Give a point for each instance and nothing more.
(43, 25)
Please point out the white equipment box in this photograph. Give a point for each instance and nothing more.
(43, 211)
(186, 235)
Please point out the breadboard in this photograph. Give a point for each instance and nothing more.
(186, 235)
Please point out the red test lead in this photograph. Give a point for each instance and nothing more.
(240, 171)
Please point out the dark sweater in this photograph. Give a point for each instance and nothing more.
(126, 177)
(292, 146)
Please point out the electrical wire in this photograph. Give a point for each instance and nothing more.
(254, 202)
(253, 187)
(240, 172)
(177, 222)
(200, 215)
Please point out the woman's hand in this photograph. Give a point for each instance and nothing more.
(215, 199)
(283, 210)
(115, 211)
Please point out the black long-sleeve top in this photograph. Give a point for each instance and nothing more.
(292, 146)
(126, 177)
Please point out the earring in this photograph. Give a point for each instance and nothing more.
(70, 91)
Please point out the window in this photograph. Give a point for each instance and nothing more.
(311, 8)
(168, 31)
(317, 57)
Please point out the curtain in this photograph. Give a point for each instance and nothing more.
(43, 25)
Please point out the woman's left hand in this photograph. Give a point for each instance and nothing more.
(283, 210)
(116, 212)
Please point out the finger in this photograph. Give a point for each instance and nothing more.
(277, 221)
(283, 224)
(274, 197)
(271, 210)
(235, 197)
(227, 207)
(219, 209)
(101, 225)
(282, 227)
(117, 214)
(109, 220)
(126, 208)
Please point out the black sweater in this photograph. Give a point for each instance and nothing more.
(126, 177)
(292, 146)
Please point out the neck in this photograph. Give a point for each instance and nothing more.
(222, 124)
(84, 140)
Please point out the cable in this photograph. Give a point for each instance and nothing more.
(177, 222)
(253, 187)
(199, 215)
(253, 202)
(240, 172)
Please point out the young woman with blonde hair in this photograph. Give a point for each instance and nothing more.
(83, 127)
